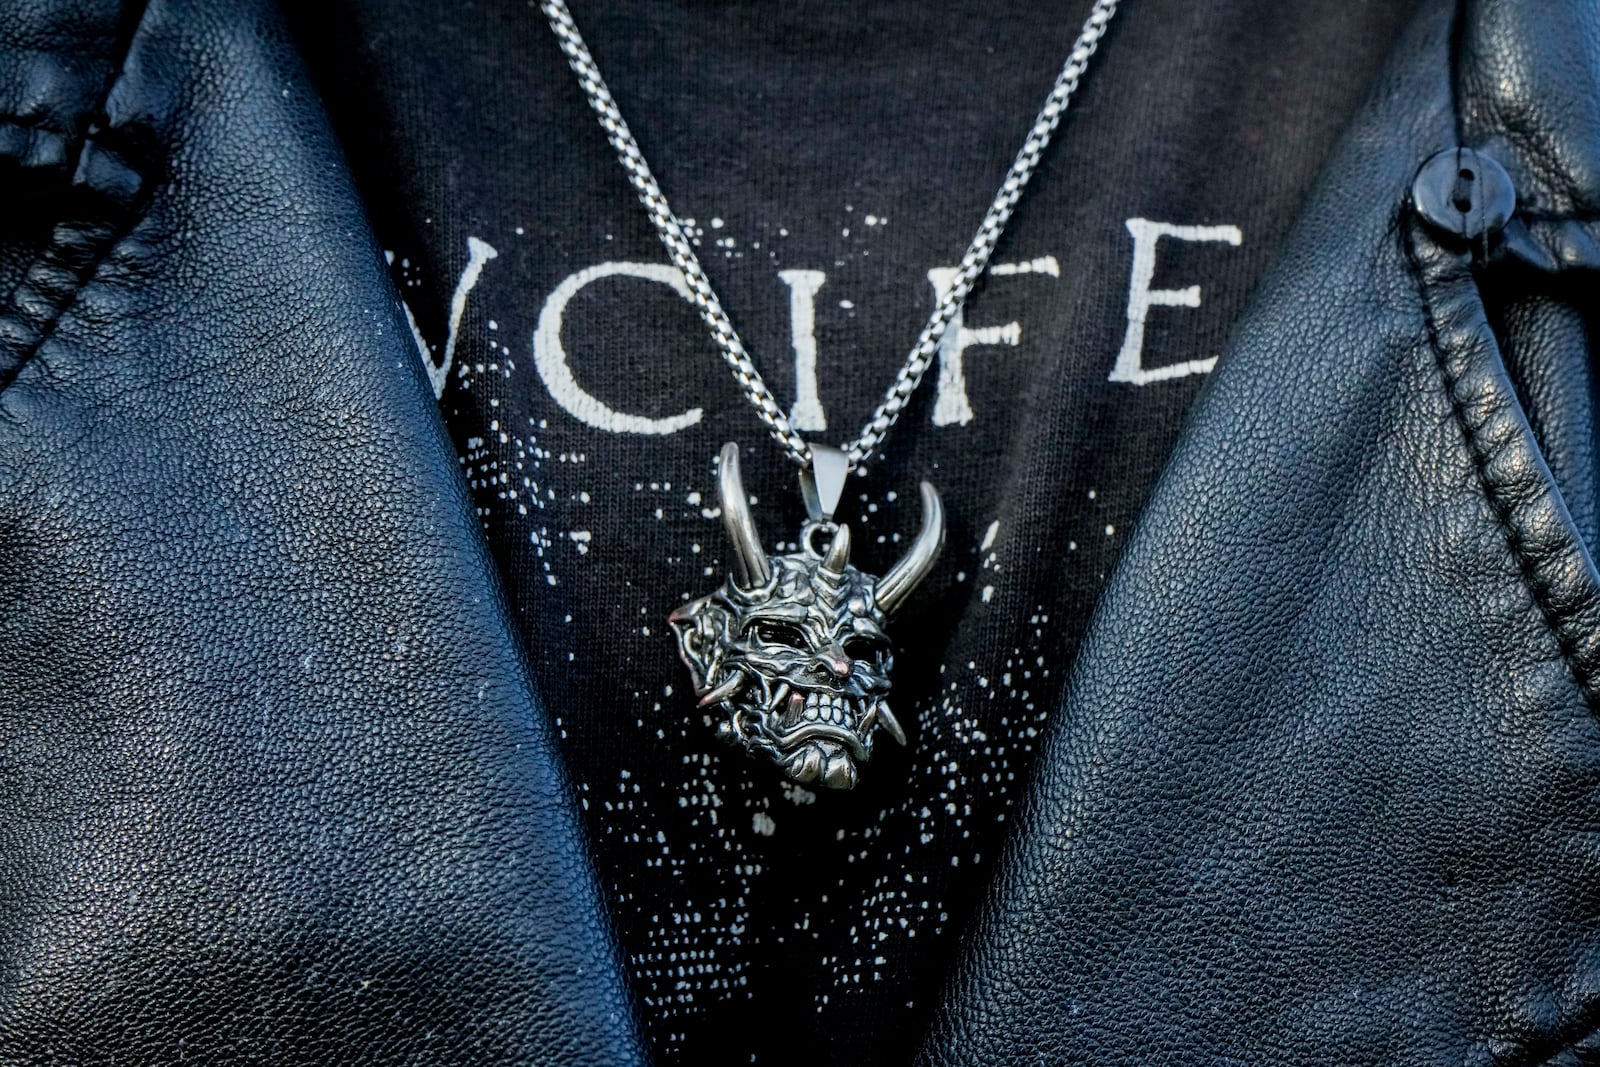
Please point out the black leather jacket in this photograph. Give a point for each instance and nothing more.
(1325, 787)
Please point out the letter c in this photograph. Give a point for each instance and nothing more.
(551, 360)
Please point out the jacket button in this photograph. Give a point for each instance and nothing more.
(1465, 193)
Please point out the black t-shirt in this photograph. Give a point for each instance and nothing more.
(834, 160)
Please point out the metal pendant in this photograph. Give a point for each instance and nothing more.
(792, 648)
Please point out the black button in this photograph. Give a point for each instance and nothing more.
(1465, 193)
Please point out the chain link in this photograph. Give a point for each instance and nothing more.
(681, 250)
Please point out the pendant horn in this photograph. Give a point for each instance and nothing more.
(914, 566)
(750, 569)
(838, 553)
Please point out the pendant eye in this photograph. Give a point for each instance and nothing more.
(774, 632)
(865, 648)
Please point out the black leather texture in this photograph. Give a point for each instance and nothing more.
(1326, 784)
(273, 786)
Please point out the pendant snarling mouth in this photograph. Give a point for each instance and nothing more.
(792, 647)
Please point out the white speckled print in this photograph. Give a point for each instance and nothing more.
(735, 891)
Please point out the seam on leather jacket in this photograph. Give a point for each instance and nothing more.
(109, 187)
(33, 141)
(52, 98)
(1554, 564)
(1526, 501)
(1458, 34)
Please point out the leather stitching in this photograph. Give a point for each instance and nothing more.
(110, 188)
(33, 143)
(1509, 500)
(1548, 554)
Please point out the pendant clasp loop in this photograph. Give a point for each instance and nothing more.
(822, 481)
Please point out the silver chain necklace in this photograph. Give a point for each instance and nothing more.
(792, 647)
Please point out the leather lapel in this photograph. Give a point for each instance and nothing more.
(1323, 789)
(273, 785)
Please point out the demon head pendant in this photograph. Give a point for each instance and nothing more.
(792, 648)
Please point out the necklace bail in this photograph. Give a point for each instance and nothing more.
(822, 481)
